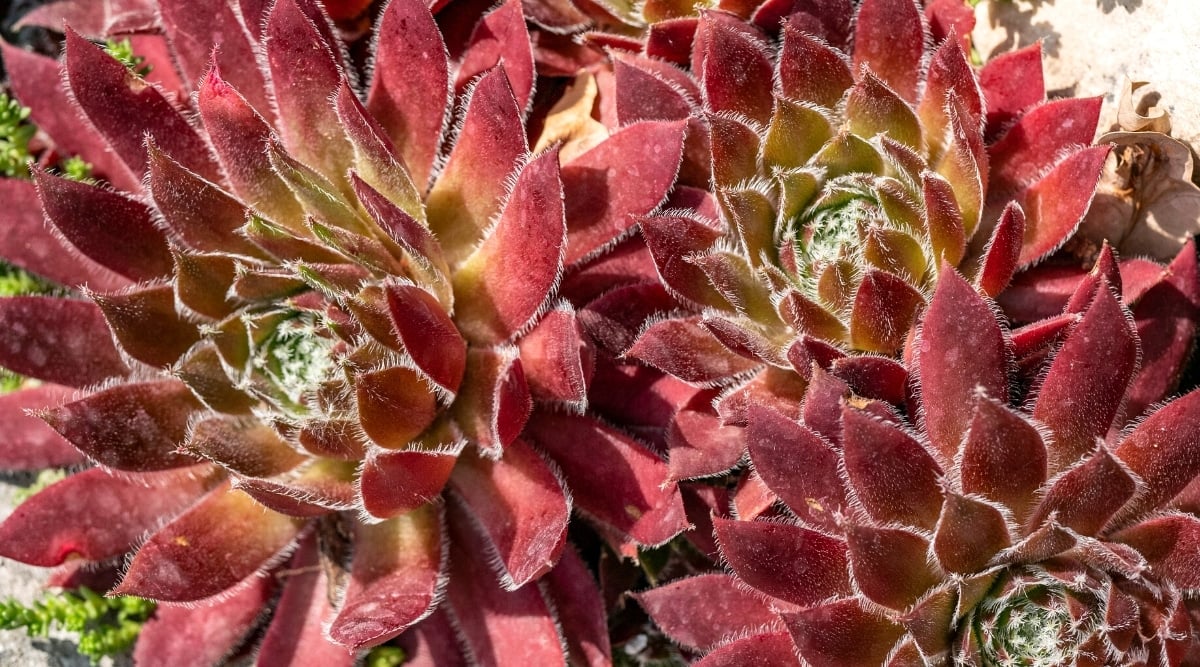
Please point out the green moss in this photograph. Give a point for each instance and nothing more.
(44, 479)
(385, 656)
(123, 52)
(15, 133)
(106, 626)
(76, 168)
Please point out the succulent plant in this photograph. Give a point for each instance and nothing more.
(317, 343)
(975, 523)
(848, 166)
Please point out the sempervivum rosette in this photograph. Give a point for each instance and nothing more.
(328, 323)
(848, 165)
(974, 524)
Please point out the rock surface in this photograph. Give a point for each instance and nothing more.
(1092, 46)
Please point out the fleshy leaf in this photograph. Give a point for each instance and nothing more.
(893, 476)
(395, 577)
(521, 507)
(969, 534)
(1087, 496)
(297, 626)
(194, 29)
(810, 70)
(793, 563)
(727, 610)
(1003, 457)
(28, 442)
(501, 36)
(889, 565)
(222, 540)
(1057, 203)
(962, 352)
(203, 633)
(428, 334)
(557, 358)
(736, 72)
(1162, 451)
(1011, 83)
(95, 515)
(494, 402)
(1003, 253)
(1032, 146)
(409, 101)
(136, 426)
(687, 351)
(580, 610)
(394, 405)
(147, 325)
(889, 37)
(494, 299)
(797, 465)
(64, 341)
(842, 634)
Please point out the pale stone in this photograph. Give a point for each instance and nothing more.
(1092, 46)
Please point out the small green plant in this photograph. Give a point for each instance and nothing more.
(385, 656)
(77, 169)
(106, 626)
(15, 134)
(123, 51)
(44, 479)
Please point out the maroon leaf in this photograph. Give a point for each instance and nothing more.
(1003, 253)
(501, 36)
(949, 74)
(28, 442)
(245, 446)
(884, 308)
(147, 324)
(969, 534)
(1161, 451)
(394, 405)
(521, 506)
(202, 634)
(893, 476)
(766, 650)
(1003, 458)
(1087, 496)
(395, 482)
(689, 352)
(580, 610)
(736, 72)
(95, 515)
(796, 564)
(889, 37)
(1171, 543)
(962, 353)
(1082, 391)
(395, 578)
(842, 634)
(797, 465)
(428, 334)
(125, 109)
(625, 177)
(810, 70)
(63, 341)
(557, 358)
(469, 190)
(305, 73)
(195, 30)
(494, 402)
(628, 490)
(671, 240)
(889, 565)
(498, 627)
(646, 94)
(297, 626)
(872, 109)
(136, 427)
(700, 612)
(220, 541)
(700, 444)
(112, 229)
(494, 299)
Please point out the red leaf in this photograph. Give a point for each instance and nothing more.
(494, 299)
(1011, 83)
(611, 477)
(136, 427)
(688, 351)
(395, 482)
(501, 36)
(64, 341)
(797, 465)
(962, 352)
(1003, 457)
(394, 578)
(28, 442)
(305, 74)
(112, 229)
(428, 334)
(297, 626)
(812, 71)
(147, 324)
(1057, 203)
(1082, 391)
(125, 109)
(557, 358)
(201, 35)
(494, 402)
(969, 534)
(1087, 496)
(1003, 253)
(1171, 544)
(202, 634)
(644, 93)
(736, 73)
(701, 612)
(408, 101)
(95, 515)
(580, 610)
(889, 37)
(795, 564)
(1162, 452)
(498, 627)
(609, 187)
(765, 650)
(889, 565)
(893, 476)
(394, 406)
(842, 634)
(219, 542)
(469, 190)
(1032, 146)
(700, 444)
(521, 507)
(884, 308)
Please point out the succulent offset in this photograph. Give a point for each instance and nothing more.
(322, 349)
(962, 528)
